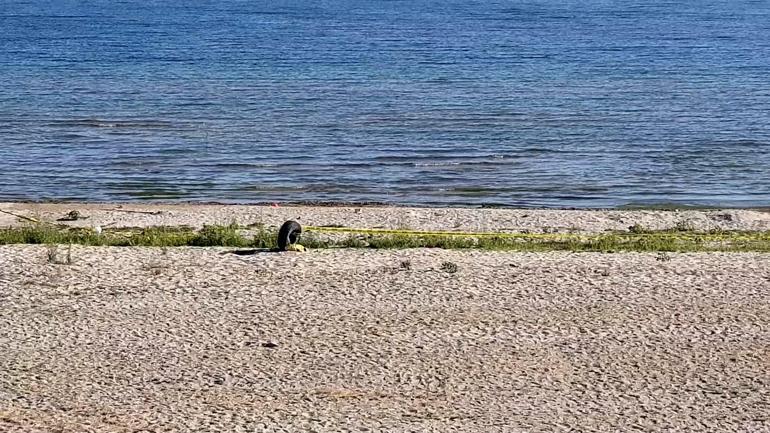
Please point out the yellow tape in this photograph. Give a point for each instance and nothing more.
(437, 233)
(680, 235)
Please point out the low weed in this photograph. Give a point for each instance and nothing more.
(233, 235)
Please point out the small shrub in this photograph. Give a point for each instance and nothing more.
(684, 226)
(639, 229)
(213, 236)
(264, 238)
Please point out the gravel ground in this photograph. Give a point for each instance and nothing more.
(198, 340)
(461, 219)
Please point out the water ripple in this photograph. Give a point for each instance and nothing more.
(477, 103)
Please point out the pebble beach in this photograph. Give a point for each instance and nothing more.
(130, 339)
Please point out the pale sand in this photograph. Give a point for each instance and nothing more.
(460, 219)
(185, 339)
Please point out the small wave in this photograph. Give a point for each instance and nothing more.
(437, 164)
(239, 165)
(102, 123)
(269, 188)
(494, 160)
(71, 17)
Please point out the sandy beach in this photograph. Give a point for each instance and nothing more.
(430, 218)
(198, 339)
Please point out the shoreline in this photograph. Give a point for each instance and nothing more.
(104, 339)
(333, 204)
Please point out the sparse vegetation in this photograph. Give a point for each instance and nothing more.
(684, 226)
(58, 257)
(236, 236)
(449, 267)
(639, 229)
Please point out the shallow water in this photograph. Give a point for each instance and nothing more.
(530, 103)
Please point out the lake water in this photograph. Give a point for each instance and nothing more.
(516, 103)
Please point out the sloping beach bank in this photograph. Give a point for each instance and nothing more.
(456, 219)
(197, 339)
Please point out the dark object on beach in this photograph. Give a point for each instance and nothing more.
(73, 215)
(449, 267)
(288, 234)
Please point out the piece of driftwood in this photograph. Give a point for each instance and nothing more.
(156, 212)
(34, 220)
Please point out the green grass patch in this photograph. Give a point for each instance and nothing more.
(209, 236)
(236, 236)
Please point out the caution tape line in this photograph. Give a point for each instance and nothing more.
(435, 233)
(758, 236)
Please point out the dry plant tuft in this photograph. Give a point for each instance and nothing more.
(58, 257)
(449, 267)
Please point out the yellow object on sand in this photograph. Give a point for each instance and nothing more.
(296, 247)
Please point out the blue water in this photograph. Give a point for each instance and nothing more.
(519, 103)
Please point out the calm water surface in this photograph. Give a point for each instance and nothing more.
(520, 103)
